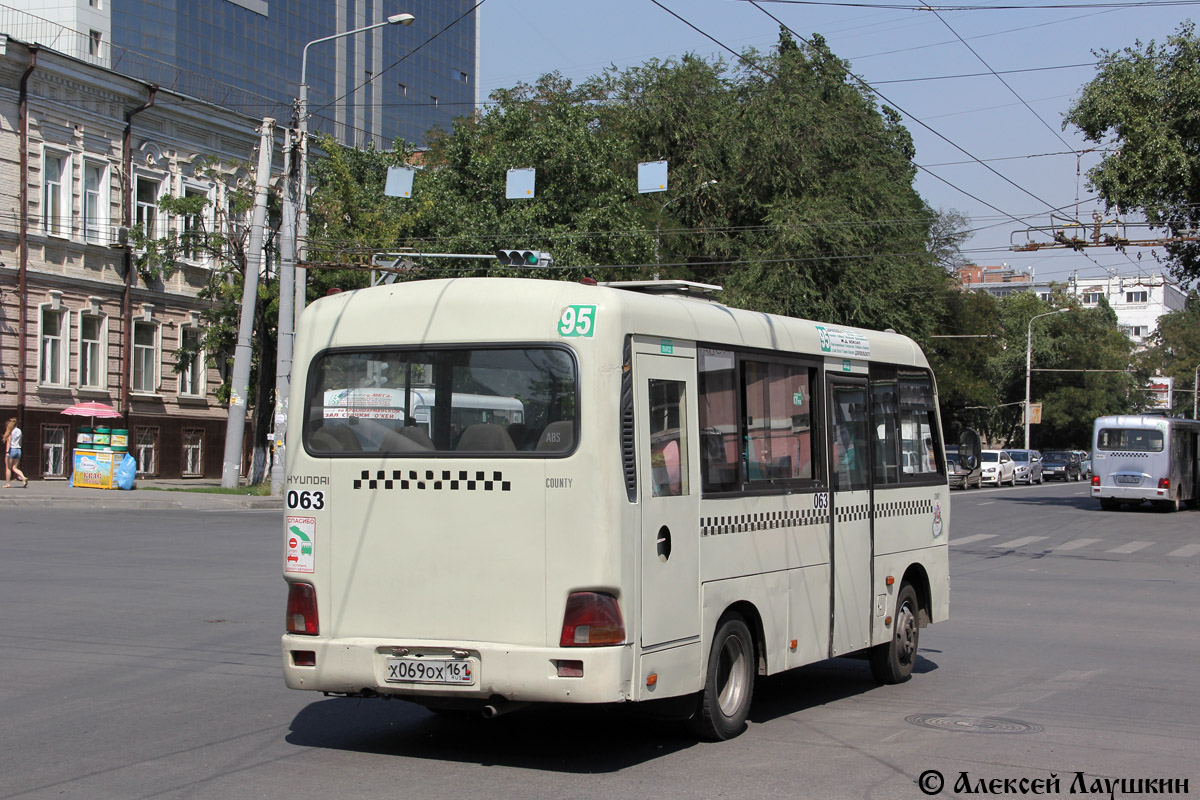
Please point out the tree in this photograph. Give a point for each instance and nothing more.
(788, 186)
(1142, 106)
(222, 243)
(1175, 352)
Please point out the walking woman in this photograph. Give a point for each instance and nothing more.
(12, 453)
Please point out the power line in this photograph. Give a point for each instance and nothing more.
(1031, 7)
(404, 57)
(975, 53)
(915, 119)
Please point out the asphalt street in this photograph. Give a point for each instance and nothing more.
(140, 653)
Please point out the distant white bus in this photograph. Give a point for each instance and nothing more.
(1145, 458)
(659, 497)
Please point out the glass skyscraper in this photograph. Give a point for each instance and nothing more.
(393, 82)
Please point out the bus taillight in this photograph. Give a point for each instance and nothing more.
(592, 619)
(1095, 480)
(302, 609)
(1164, 483)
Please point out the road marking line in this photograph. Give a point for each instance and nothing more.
(1024, 540)
(1186, 551)
(976, 538)
(988, 503)
(1074, 545)
(1131, 547)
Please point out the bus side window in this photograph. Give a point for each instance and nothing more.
(668, 448)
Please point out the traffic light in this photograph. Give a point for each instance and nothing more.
(523, 258)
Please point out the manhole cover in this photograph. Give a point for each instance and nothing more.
(953, 722)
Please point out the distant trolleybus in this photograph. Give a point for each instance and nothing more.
(1140, 458)
(609, 493)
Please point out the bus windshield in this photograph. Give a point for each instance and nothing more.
(439, 401)
(1137, 439)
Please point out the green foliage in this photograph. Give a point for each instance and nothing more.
(1143, 104)
(1175, 352)
(788, 186)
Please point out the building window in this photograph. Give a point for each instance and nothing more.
(191, 377)
(403, 89)
(146, 211)
(52, 339)
(95, 203)
(54, 451)
(1092, 297)
(54, 201)
(464, 77)
(94, 38)
(193, 453)
(146, 451)
(145, 357)
(194, 229)
(435, 101)
(1136, 297)
(93, 351)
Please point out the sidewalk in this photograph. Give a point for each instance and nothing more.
(147, 495)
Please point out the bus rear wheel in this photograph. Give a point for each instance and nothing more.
(724, 703)
(893, 662)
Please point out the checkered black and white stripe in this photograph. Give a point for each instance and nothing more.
(762, 521)
(853, 513)
(448, 480)
(903, 508)
(1130, 455)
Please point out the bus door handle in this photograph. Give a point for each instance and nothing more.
(663, 543)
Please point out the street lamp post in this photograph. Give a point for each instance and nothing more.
(302, 143)
(1195, 391)
(294, 244)
(1029, 364)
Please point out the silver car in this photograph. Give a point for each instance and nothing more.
(1027, 466)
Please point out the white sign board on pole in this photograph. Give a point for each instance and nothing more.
(520, 184)
(399, 182)
(652, 177)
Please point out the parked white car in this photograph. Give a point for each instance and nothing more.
(998, 468)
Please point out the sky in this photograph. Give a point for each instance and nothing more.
(918, 61)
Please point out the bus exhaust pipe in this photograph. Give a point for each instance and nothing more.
(501, 707)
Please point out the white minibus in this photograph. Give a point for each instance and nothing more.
(1139, 458)
(692, 495)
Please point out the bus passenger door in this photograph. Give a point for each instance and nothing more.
(669, 494)
(853, 548)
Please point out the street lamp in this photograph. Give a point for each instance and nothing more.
(302, 142)
(658, 220)
(1029, 364)
(295, 228)
(1195, 391)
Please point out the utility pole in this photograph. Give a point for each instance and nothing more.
(283, 351)
(240, 388)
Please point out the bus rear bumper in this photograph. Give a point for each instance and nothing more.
(515, 673)
(1131, 494)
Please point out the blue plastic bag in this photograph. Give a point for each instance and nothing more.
(126, 472)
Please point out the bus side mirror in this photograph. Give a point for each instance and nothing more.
(970, 447)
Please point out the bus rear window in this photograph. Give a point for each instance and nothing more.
(450, 401)
(1142, 440)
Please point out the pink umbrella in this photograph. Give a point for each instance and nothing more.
(91, 409)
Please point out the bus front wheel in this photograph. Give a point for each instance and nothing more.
(893, 662)
(724, 703)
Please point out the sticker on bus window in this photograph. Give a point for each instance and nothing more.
(577, 321)
(299, 537)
